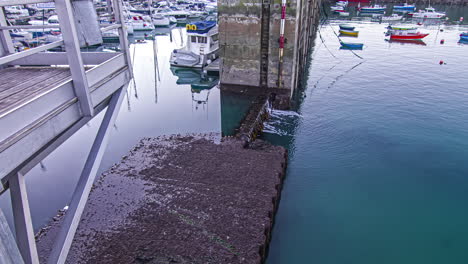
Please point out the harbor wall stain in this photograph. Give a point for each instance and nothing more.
(240, 39)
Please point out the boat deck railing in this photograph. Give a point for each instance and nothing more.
(45, 97)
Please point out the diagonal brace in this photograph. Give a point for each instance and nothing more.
(80, 196)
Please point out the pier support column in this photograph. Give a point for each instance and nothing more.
(23, 221)
(72, 218)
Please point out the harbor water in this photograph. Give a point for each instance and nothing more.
(378, 151)
(377, 142)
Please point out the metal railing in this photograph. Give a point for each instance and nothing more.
(82, 81)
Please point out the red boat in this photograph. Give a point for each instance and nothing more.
(408, 36)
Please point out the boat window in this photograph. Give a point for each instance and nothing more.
(201, 39)
(215, 37)
(194, 39)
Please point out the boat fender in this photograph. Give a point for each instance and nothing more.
(441, 62)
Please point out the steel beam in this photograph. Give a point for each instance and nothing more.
(22, 2)
(23, 221)
(65, 15)
(60, 58)
(117, 6)
(28, 27)
(6, 45)
(80, 196)
(19, 55)
(9, 253)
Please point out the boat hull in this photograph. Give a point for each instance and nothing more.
(349, 33)
(346, 27)
(354, 46)
(408, 36)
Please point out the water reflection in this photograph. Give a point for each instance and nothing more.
(155, 104)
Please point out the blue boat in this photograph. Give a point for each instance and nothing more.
(404, 7)
(346, 27)
(464, 37)
(352, 46)
(200, 27)
(373, 9)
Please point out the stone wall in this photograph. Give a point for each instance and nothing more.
(240, 36)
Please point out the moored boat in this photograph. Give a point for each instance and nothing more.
(428, 12)
(395, 29)
(202, 46)
(393, 17)
(373, 9)
(349, 32)
(347, 45)
(404, 7)
(464, 36)
(408, 36)
(337, 8)
(346, 27)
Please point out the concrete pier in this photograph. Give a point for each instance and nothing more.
(242, 27)
(180, 199)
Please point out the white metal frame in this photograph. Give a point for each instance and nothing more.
(70, 105)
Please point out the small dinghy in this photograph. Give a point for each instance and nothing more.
(354, 46)
(349, 33)
(464, 37)
(404, 7)
(346, 27)
(393, 17)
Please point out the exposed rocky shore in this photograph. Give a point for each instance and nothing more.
(181, 199)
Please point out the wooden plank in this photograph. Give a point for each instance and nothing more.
(24, 95)
(46, 79)
(10, 77)
(9, 253)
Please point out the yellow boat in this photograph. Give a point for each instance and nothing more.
(349, 32)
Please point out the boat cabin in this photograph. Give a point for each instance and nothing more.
(202, 37)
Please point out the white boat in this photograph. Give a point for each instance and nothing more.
(343, 14)
(160, 20)
(202, 46)
(53, 19)
(336, 8)
(393, 17)
(16, 10)
(129, 27)
(428, 12)
(141, 23)
(342, 3)
(180, 15)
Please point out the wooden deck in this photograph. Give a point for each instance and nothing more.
(20, 84)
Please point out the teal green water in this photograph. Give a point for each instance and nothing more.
(378, 166)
